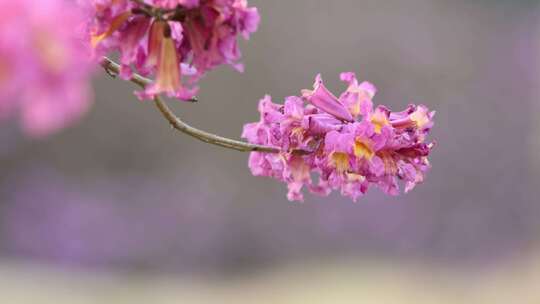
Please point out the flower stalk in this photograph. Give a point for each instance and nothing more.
(113, 68)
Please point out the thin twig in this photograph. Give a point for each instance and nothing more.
(113, 68)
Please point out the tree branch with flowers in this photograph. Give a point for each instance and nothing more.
(166, 47)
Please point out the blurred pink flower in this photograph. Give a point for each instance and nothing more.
(176, 40)
(44, 66)
(348, 142)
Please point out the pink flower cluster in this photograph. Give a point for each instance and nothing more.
(347, 141)
(44, 66)
(177, 40)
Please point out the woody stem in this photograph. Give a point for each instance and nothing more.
(113, 69)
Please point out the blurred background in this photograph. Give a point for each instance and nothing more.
(123, 209)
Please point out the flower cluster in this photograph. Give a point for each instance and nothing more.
(177, 40)
(347, 141)
(44, 66)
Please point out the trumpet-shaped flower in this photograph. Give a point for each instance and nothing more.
(178, 41)
(350, 144)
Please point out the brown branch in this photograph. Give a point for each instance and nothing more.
(113, 69)
(157, 12)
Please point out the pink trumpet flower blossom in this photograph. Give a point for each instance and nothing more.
(350, 144)
(44, 66)
(177, 41)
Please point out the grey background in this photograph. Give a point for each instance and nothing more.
(122, 190)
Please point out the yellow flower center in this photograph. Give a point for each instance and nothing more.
(297, 132)
(340, 161)
(362, 149)
(420, 117)
(362, 97)
(379, 120)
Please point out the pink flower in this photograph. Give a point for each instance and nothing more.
(322, 98)
(44, 66)
(358, 97)
(346, 141)
(178, 41)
